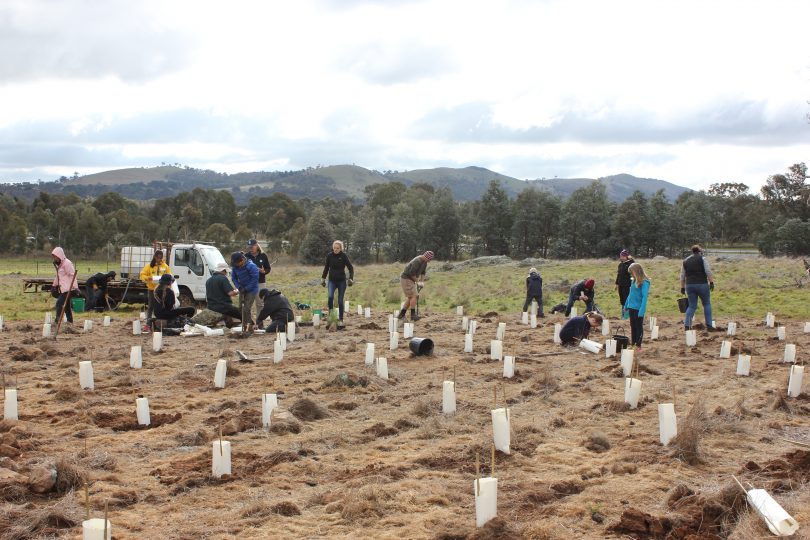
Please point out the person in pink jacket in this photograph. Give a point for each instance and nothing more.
(63, 283)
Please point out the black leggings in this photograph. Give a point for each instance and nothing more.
(174, 313)
(636, 327)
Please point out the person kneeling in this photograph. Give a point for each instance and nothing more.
(277, 308)
(218, 295)
(165, 302)
(578, 328)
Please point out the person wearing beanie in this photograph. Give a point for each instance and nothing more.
(95, 289)
(165, 302)
(582, 290)
(623, 276)
(150, 274)
(412, 282)
(245, 277)
(697, 281)
(534, 291)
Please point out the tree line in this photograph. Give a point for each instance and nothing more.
(396, 221)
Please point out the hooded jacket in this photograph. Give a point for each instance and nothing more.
(277, 307)
(64, 272)
(149, 272)
(623, 272)
(534, 284)
(246, 277)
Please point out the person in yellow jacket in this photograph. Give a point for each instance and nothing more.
(156, 268)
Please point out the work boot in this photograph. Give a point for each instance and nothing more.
(402, 313)
(415, 317)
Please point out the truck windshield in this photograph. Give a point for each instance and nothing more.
(212, 256)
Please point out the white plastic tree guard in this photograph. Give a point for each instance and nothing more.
(779, 522)
(86, 381)
(807, 328)
(610, 348)
(524, 318)
(468, 343)
(501, 430)
(725, 349)
(367, 312)
(48, 318)
(93, 529)
(448, 397)
(508, 366)
(500, 333)
(221, 454)
(486, 500)
(369, 354)
(88, 326)
(573, 312)
(142, 315)
(780, 333)
(278, 351)
(732, 328)
(382, 368)
(495, 349)
(142, 411)
(291, 331)
(533, 320)
(316, 320)
(157, 341)
(269, 402)
(10, 405)
(557, 329)
(605, 327)
(654, 333)
(407, 330)
(770, 320)
(653, 322)
(632, 391)
(473, 326)
(220, 372)
(2, 323)
(346, 306)
(790, 353)
(46, 330)
(795, 381)
(136, 328)
(359, 309)
(459, 310)
(106, 321)
(667, 423)
(590, 345)
(691, 338)
(465, 323)
(135, 357)
(627, 361)
(743, 365)
(393, 341)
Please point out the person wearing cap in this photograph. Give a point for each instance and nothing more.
(262, 262)
(534, 291)
(245, 276)
(95, 289)
(412, 282)
(276, 307)
(150, 274)
(582, 290)
(336, 264)
(165, 300)
(697, 281)
(218, 296)
(623, 276)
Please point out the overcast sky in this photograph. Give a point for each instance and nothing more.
(693, 92)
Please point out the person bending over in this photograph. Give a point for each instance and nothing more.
(578, 328)
(165, 300)
(412, 282)
(277, 308)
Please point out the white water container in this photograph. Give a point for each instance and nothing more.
(627, 361)
(653, 322)
(533, 320)
(501, 430)
(790, 353)
(10, 405)
(486, 500)
(732, 328)
(142, 411)
(290, 331)
(48, 318)
(382, 368)
(590, 345)
(667, 423)
(610, 348)
(368, 313)
(524, 318)
(448, 397)
(346, 306)
(220, 373)
(795, 382)
(557, 329)
(88, 325)
(770, 320)
(468, 343)
(459, 310)
(743, 365)
(407, 330)
(725, 349)
(632, 391)
(316, 320)
(46, 330)
(157, 341)
(359, 309)
(691, 338)
(573, 313)
(278, 351)
(136, 328)
(508, 366)
(780, 333)
(93, 529)
(106, 321)
(142, 316)
(282, 338)
(86, 381)
(654, 333)
(605, 327)
(269, 402)
(495, 349)
(221, 462)
(779, 522)
(135, 357)
(465, 323)
(369, 354)
(393, 341)
(501, 331)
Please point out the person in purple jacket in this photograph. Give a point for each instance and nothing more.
(245, 277)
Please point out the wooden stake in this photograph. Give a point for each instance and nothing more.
(87, 501)
(221, 452)
(477, 474)
(65, 305)
(492, 465)
(739, 484)
(454, 377)
(495, 397)
(104, 536)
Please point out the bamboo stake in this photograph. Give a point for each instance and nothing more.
(221, 452)
(87, 501)
(495, 397)
(492, 465)
(104, 536)
(477, 474)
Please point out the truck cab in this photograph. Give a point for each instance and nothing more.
(192, 265)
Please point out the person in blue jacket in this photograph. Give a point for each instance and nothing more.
(578, 328)
(245, 277)
(534, 291)
(636, 303)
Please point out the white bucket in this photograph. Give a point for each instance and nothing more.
(382, 368)
(654, 333)
(732, 328)
(10, 405)
(790, 353)
(524, 318)
(106, 321)
(157, 341)
(369, 354)
(448, 397)
(627, 361)
(93, 529)
(780, 333)
(278, 351)
(465, 323)
(269, 402)
(779, 522)
(605, 327)
(508, 366)
(459, 310)
(86, 381)
(495, 349)
(632, 391)
(590, 346)
(557, 329)
(501, 430)
(486, 500)
(743, 365)
(795, 382)
(46, 330)
(142, 411)
(573, 313)
(221, 462)
(610, 348)
(88, 325)
(468, 343)
(136, 328)
(135, 357)
(667, 423)
(220, 373)
(367, 312)
(725, 349)
(691, 338)
(501, 331)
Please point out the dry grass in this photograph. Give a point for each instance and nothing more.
(597, 442)
(23, 522)
(307, 410)
(69, 477)
(686, 445)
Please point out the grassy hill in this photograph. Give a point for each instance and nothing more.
(132, 175)
(618, 187)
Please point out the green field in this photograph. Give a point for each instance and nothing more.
(745, 287)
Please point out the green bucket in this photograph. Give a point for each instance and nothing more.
(77, 304)
(317, 312)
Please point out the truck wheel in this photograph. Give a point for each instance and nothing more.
(186, 299)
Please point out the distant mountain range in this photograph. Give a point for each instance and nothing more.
(336, 181)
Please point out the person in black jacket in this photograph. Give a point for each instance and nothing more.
(277, 308)
(259, 258)
(582, 290)
(623, 276)
(697, 281)
(336, 263)
(165, 300)
(578, 328)
(96, 291)
(534, 291)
